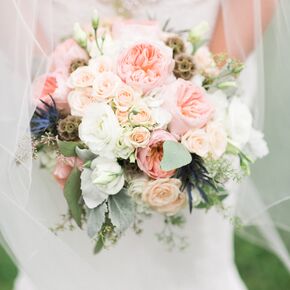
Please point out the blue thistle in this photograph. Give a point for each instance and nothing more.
(45, 119)
(195, 175)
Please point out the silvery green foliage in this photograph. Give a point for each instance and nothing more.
(121, 211)
(84, 154)
(96, 218)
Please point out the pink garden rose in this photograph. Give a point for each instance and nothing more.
(145, 65)
(149, 158)
(54, 85)
(63, 168)
(64, 54)
(128, 30)
(188, 105)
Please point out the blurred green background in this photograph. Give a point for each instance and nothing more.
(259, 269)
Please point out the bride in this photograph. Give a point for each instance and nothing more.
(65, 261)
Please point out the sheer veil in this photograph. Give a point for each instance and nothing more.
(28, 35)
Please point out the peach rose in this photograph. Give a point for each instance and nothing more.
(123, 117)
(149, 158)
(125, 97)
(141, 115)
(82, 77)
(63, 168)
(64, 54)
(139, 137)
(128, 30)
(145, 65)
(217, 139)
(164, 195)
(105, 85)
(196, 141)
(188, 105)
(54, 85)
(78, 100)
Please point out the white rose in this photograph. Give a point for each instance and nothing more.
(217, 137)
(105, 85)
(79, 99)
(220, 104)
(239, 122)
(196, 141)
(82, 77)
(105, 177)
(100, 129)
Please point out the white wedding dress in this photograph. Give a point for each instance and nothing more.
(141, 262)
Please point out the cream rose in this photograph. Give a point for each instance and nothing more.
(139, 137)
(217, 137)
(123, 117)
(82, 77)
(101, 64)
(125, 97)
(105, 85)
(137, 186)
(164, 195)
(196, 141)
(79, 99)
(100, 129)
(141, 115)
(124, 149)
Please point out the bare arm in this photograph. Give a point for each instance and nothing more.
(244, 17)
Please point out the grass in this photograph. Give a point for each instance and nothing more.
(260, 269)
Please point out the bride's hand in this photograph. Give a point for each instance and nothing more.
(236, 24)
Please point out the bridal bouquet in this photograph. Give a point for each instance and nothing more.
(135, 120)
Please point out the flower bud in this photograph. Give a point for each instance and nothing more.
(197, 33)
(80, 35)
(227, 85)
(95, 19)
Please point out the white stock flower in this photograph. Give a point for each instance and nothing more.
(104, 177)
(239, 122)
(220, 104)
(100, 129)
(257, 146)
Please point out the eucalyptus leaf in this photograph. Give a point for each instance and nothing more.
(175, 155)
(68, 148)
(121, 211)
(96, 218)
(72, 193)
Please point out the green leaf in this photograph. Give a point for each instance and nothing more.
(68, 148)
(96, 218)
(175, 155)
(99, 246)
(121, 211)
(72, 194)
